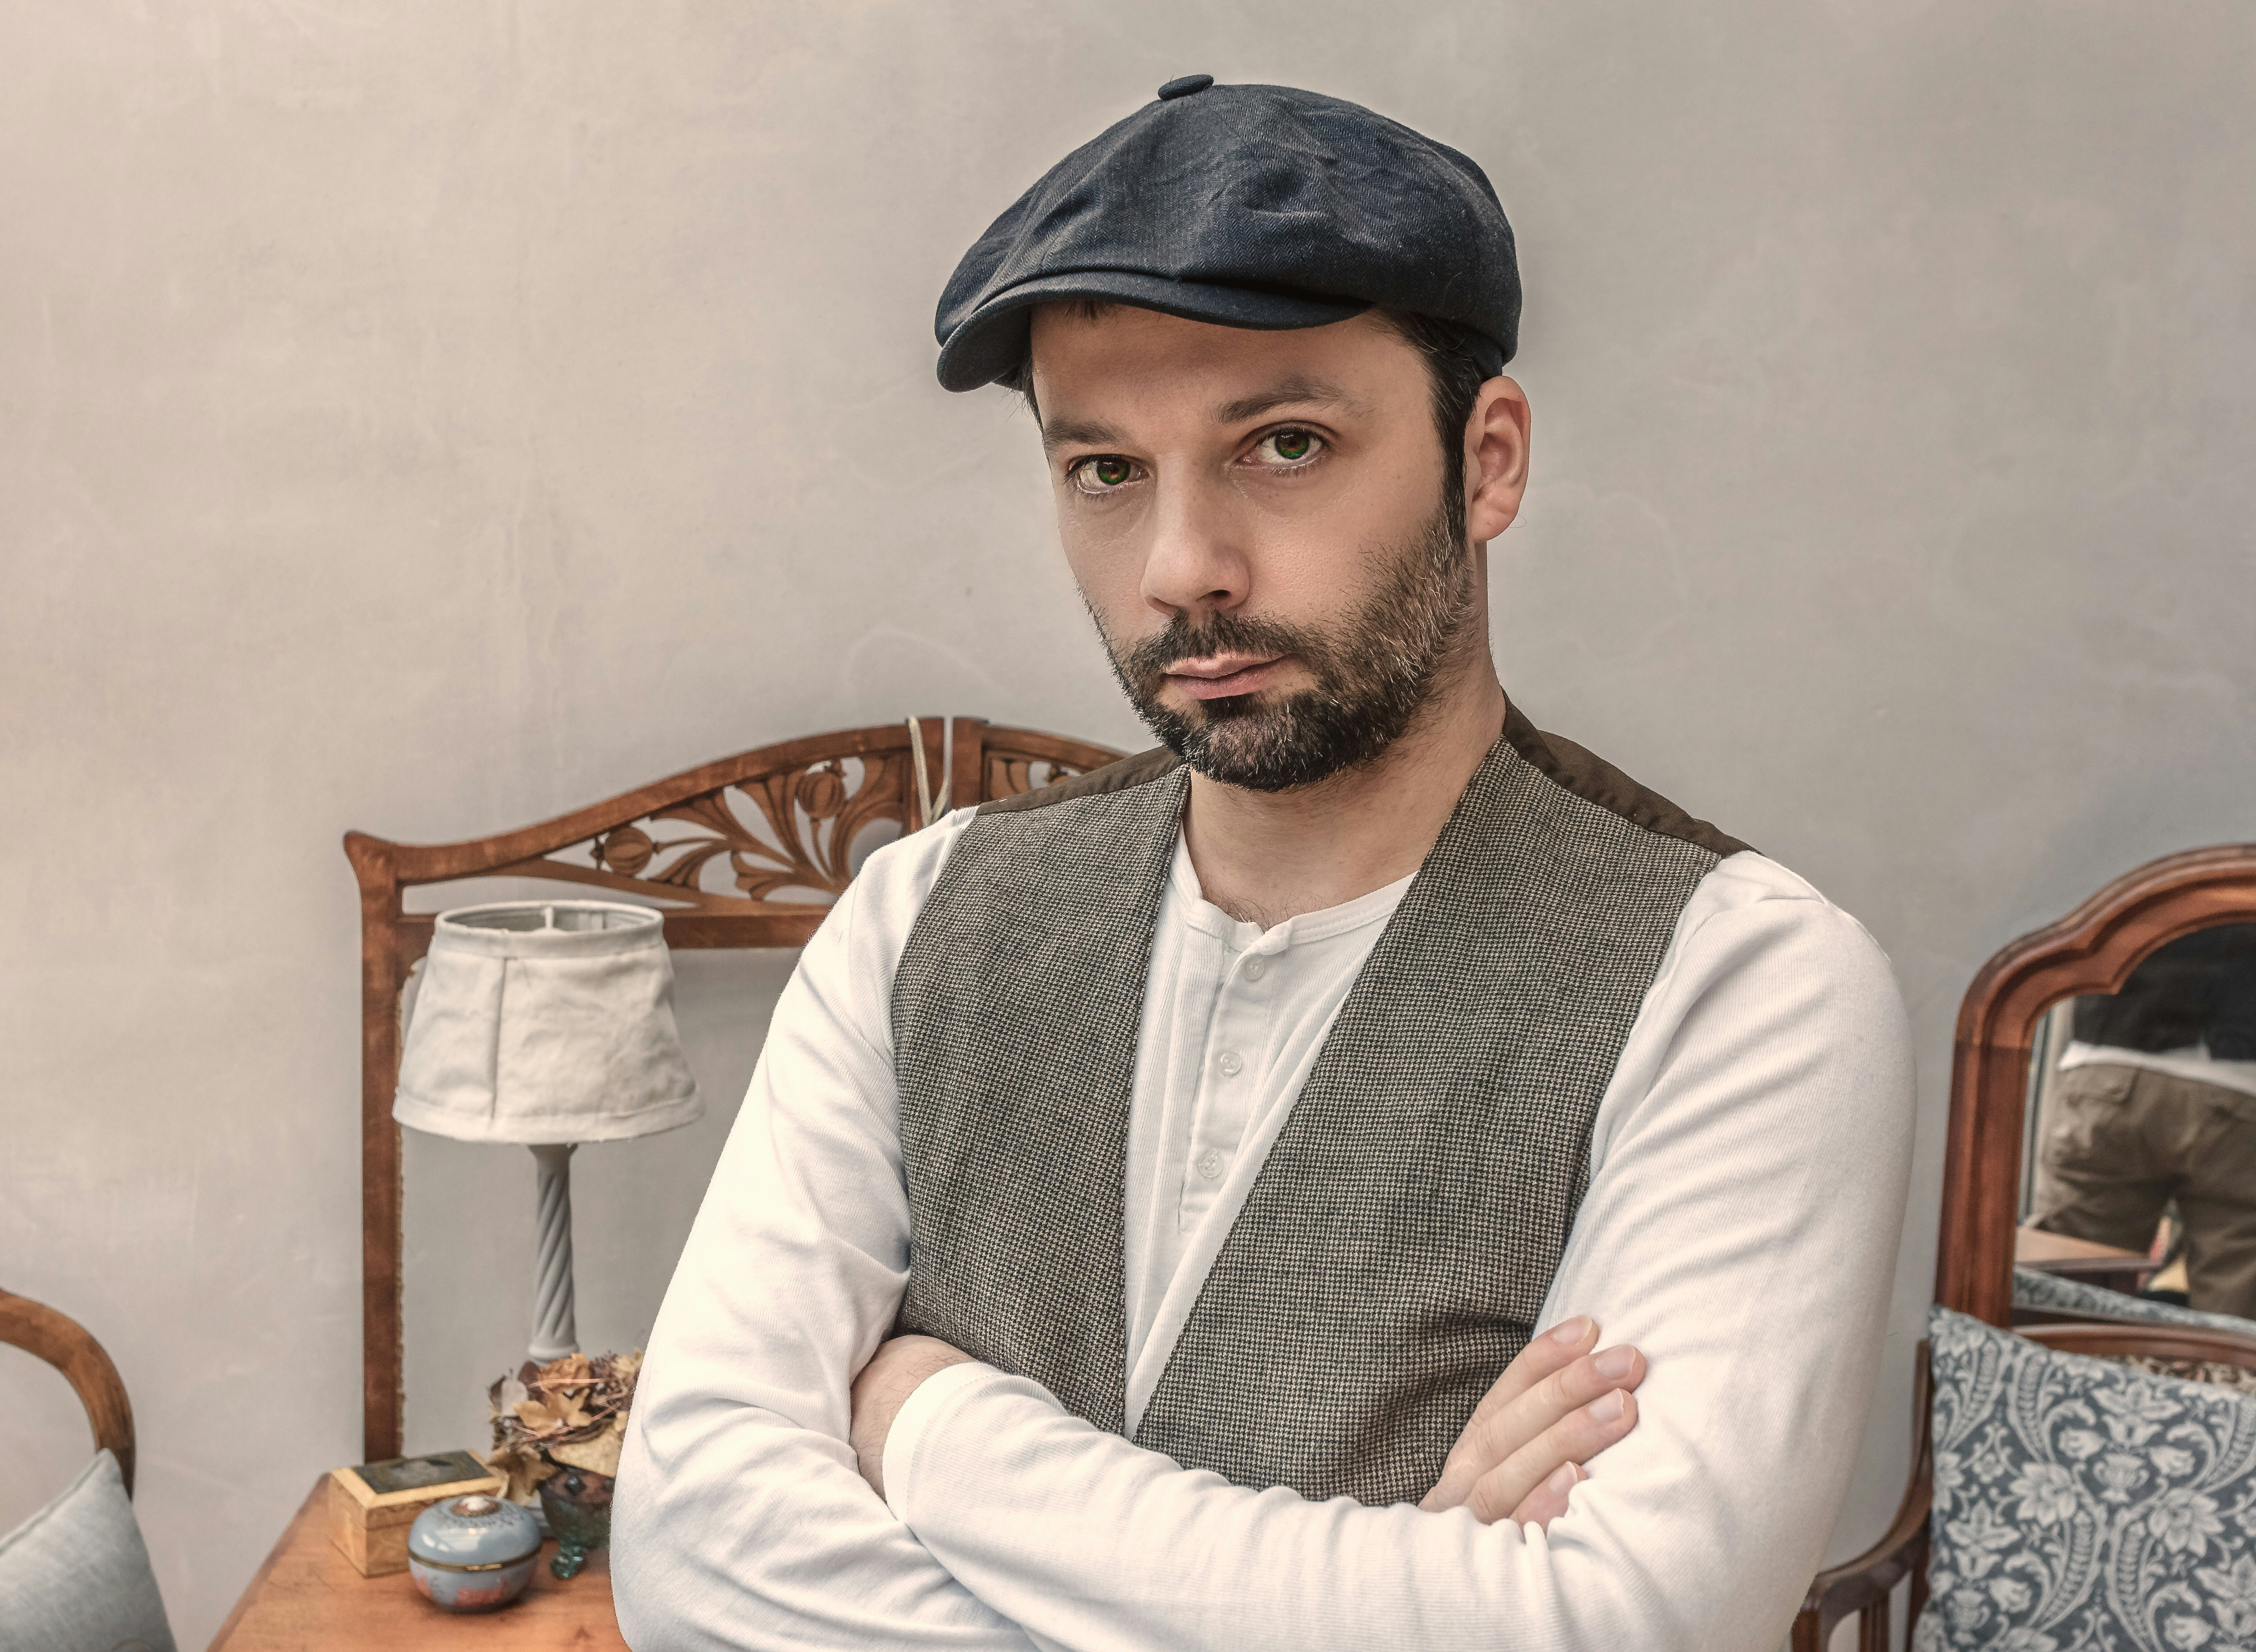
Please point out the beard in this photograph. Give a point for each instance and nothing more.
(1374, 673)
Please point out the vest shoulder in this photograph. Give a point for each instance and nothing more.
(1572, 767)
(1577, 770)
(1140, 770)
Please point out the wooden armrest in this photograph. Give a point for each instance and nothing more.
(1850, 1587)
(70, 1347)
(1863, 1585)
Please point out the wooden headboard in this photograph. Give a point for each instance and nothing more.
(749, 851)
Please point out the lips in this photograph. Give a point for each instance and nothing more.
(1219, 676)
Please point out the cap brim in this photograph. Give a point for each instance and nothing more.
(993, 340)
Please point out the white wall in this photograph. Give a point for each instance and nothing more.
(429, 417)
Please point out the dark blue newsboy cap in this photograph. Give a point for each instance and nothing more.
(1249, 206)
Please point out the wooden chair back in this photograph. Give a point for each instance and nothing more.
(2123, 1340)
(70, 1347)
(747, 851)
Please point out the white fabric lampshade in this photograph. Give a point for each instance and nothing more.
(543, 1022)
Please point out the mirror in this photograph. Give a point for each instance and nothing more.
(2094, 978)
(2139, 1158)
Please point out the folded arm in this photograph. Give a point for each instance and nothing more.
(1749, 1169)
(741, 1520)
(1557, 1405)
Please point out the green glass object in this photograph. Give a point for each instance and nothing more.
(578, 1505)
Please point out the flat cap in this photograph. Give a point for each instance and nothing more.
(1248, 206)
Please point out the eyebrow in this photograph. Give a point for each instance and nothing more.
(1077, 432)
(1291, 392)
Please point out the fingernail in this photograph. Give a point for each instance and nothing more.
(1572, 1331)
(1614, 1363)
(1563, 1481)
(1608, 1408)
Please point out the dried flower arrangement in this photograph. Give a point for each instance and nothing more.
(570, 1413)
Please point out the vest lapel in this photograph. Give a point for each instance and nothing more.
(1401, 1235)
(1021, 993)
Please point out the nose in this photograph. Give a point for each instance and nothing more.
(1195, 564)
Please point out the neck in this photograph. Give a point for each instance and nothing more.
(1263, 857)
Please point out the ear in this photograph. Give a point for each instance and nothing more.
(1496, 459)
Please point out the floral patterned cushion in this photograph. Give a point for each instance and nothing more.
(2081, 1505)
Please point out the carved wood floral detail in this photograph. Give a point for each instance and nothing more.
(1009, 774)
(798, 835)
(791, 838)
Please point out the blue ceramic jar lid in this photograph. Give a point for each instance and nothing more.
(474, 1534)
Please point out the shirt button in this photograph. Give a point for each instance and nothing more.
(1231, 1066)
(1255, 968)
(1210, 1164)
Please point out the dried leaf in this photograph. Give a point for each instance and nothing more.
(571, 1409)
(571, 1368)
(521, 1468)
(596, 1456)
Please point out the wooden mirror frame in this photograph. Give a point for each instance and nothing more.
(2092, 950)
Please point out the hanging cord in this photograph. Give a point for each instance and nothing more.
(928, 797)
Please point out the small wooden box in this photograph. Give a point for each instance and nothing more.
(371, 1505)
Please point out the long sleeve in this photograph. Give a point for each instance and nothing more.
(741, 1520)
(1748, 1167)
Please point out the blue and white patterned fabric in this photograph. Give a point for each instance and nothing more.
(2081, 1505)
(2035, 1290)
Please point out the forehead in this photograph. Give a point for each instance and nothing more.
(1127, 363)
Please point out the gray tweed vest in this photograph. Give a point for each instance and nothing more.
(1397, 1242)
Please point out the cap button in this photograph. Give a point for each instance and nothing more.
(1184, 87)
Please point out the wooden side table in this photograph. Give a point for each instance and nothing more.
(308, 1597)
(2103, 1265)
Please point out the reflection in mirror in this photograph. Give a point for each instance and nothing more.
(2139, 1167)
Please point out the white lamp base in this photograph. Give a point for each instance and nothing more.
(555, 1329)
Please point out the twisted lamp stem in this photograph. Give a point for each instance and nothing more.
(555, 1331)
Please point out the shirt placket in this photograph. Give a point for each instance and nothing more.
(1231, 1071)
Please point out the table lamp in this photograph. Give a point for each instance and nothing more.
(547, 1023)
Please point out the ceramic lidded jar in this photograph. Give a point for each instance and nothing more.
(472, 1554)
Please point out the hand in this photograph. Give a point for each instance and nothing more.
(1555, 1406)
(892, 1374)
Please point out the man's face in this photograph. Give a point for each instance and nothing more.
(1257, 524)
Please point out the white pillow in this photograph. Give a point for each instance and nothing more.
(76, 1576)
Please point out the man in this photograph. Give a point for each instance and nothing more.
(1179, 1209)
(2157, 1102)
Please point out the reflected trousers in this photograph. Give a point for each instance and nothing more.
(2121, 1143)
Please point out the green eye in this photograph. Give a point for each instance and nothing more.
(1287, 449)
(1110, 472)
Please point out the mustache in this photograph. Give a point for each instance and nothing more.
(1145, 662)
